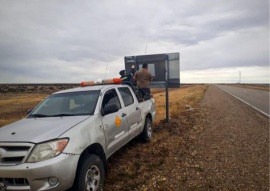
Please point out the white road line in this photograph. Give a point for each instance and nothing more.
(267, 115)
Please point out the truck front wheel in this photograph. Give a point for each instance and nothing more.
(146, 134)
(91, 174)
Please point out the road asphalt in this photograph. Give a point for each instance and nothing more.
(257, 99)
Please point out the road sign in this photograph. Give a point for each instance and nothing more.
(165, 69)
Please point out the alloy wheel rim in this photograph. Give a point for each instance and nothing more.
(149, 130)
(92, 178)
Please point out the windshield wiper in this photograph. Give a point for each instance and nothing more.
(61, 115)
(57, 115)
(38, 115)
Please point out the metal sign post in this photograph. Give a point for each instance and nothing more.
(167, 89)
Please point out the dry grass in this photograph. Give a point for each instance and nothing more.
(178, 100)
(15, 106)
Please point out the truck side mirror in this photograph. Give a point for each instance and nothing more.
(110, 108)
(29, 111)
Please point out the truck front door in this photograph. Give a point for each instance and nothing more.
(114, 124)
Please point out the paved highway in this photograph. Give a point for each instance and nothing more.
(257, 99)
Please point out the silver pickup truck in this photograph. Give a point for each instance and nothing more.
(65, 141)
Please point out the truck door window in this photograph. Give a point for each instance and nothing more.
(126, 95)
(111, 97)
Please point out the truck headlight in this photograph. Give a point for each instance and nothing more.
(47, 150)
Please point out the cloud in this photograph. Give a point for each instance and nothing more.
(231, 50)
(51, 41)
(247, 75)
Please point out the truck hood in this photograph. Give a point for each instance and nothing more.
(37, 130)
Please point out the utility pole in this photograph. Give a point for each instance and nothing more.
(145, 49)
(239, 77)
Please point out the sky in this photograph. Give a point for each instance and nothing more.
(67, 41)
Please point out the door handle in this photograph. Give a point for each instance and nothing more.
(123, 114)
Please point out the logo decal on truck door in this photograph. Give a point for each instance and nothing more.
(117, 121)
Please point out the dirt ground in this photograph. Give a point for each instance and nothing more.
(222, 144)
(233, 149)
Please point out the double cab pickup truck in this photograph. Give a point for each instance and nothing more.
(65, 141)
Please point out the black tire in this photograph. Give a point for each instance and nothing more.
(146, 134)
(90, 175)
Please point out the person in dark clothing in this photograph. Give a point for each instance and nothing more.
(123, 75)
(143, 79)
(128, 77)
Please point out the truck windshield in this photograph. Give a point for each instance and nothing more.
(67, 104)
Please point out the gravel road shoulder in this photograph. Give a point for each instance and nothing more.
(233, 149)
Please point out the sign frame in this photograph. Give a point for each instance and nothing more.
(166, 66)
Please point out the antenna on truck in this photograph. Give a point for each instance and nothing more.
(105, 72)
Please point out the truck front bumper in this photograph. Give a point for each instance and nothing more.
(56, 174)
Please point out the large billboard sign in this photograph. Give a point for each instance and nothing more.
(165, 68)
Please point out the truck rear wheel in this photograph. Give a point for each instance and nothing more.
(91, 174)
(147, 132)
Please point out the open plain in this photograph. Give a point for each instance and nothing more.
(212, 142)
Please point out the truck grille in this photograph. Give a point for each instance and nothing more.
(14, 181)
(14, 153)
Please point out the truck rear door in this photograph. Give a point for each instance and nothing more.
(133, 111)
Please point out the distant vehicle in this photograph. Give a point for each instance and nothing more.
(66, 140)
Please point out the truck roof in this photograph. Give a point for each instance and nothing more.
(87, 88)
